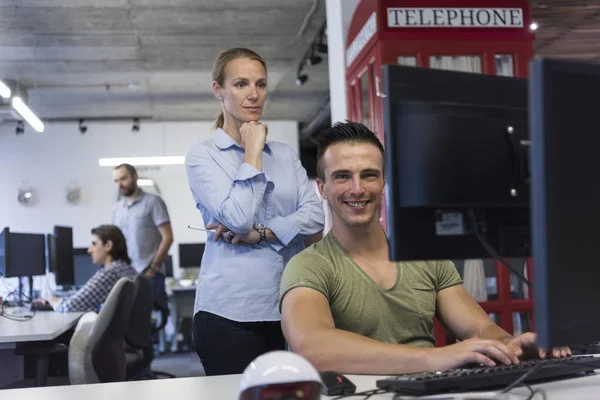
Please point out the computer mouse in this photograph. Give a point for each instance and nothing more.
(336, 384)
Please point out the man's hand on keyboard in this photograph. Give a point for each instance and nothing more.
(479, 351)
(527, 344)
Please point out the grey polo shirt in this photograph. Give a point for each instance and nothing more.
(139, 223)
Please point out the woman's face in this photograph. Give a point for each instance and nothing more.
(244, 90)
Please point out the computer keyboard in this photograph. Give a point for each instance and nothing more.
(489, 378)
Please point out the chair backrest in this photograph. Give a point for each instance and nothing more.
(108, 355)
(81, 370)
(138, 330)
(104, 345)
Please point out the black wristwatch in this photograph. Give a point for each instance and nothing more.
(262, 231)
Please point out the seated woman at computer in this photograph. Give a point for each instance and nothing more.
(346, 307)
(108, 248)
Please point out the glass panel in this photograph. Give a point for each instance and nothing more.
(504, 65)
(479, 278)
(409, 61)
(521, 323)
(518, 289)
(495, 318)
(456, 63)
(355, 103)
(366, 105)
(376, 121)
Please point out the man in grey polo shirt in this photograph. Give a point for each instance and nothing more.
(144, 220)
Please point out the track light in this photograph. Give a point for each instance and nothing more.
(136, 125)
(313, 60)
(321, 48)
(82, 126)
(301, 80)
(20, 129)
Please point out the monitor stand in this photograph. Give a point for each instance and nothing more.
(20, 300)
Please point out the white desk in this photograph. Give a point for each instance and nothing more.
(226, 388)
(45, 325)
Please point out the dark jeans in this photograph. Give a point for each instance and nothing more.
(227, 347)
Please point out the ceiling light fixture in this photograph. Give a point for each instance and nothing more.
(82, 126)
(145, 182)
(301, 80)
(533, 26)
(166, 160)
(27, 114)
(5, 91)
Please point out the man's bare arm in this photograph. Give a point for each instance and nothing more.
(309, 329)
(460, 313)
(167, 239)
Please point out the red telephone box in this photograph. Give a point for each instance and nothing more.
(479, 36)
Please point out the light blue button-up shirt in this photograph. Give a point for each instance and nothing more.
(241, 282)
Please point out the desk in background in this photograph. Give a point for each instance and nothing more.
(226, 387)
(44, 326)
(181, 302)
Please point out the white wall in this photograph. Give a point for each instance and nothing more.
(51, 161)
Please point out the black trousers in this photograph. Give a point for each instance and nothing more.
(227, 347)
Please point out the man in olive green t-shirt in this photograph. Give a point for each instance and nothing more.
(346, 307)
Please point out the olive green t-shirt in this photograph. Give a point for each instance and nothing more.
(403, 314)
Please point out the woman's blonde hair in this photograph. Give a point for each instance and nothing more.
(218, 74)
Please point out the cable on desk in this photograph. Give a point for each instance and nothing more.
(12, 317)
(518, 383)
(492, 252)
(366, 394)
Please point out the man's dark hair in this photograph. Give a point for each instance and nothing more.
(348, 131)
(114, 234)
(130, 168)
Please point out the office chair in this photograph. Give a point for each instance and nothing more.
(139, 349)
(96, 352)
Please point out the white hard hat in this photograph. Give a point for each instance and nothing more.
(283, 374)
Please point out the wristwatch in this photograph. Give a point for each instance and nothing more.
(262, 232)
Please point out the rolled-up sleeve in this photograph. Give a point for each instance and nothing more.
(308, 219)
(234, 203)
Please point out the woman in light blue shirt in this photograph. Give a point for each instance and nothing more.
(257, 197)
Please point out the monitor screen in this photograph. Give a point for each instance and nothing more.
(65, 275)
(190, 254)
(565, 201)
(51, 253)
(27, 255)
(84, 266)
(456, 164)
(3, 246)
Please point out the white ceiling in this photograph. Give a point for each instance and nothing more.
(153, 58)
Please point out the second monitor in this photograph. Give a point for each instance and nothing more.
(458, 175)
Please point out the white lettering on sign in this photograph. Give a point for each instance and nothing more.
(455, 17)
(360, 41)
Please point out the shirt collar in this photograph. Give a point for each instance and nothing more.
(223, 141)
(142, 194)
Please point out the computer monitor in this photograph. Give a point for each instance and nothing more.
(456, 164)
(64, 273)
(565, 201)
(28, 254)
(84, 267)
(22, 254)
(4, 254)
(190, 254)
(51, 252)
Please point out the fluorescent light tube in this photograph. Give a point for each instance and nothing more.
(27, 114)
(4, 90)
(145, 182)
(167, 160)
